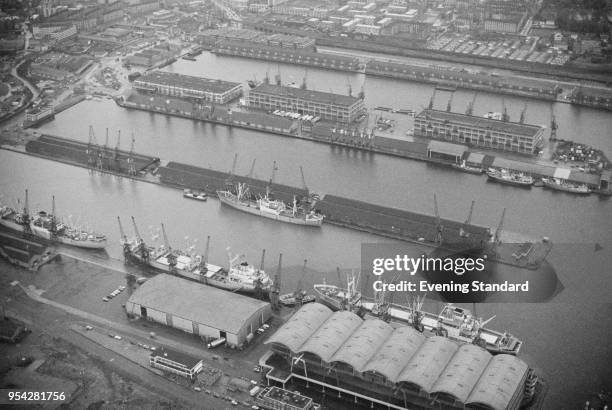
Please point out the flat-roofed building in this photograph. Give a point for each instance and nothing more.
(333, 107)
(187, 86)
(175, 362)
(392, 366)
(479, 131)
(196, 308)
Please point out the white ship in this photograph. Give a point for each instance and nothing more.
(269, 208)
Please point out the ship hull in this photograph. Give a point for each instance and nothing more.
(562, 188)
(197, 277)
(11, 225)
(469, 170)
(253, 208)
(87, 244)
(495, 178)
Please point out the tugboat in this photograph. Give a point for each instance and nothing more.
(563, 185)
(467, 168)
(505, 176)
(198, 195)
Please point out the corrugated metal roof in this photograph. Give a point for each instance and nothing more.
(428, 362)
(396, 352)
(332, 334)
(475, 158)
(584, 178)
(363, 343)
(446, 148)
(186, 81)
(529, 168)
(303, 324)
(196, 302)
(462, 372)
(499, 381)
(562, 173)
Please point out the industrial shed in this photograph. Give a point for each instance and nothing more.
(198, 309)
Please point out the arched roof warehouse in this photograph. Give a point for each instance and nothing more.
(396, 352)
(428, 362)
(302, 325)
(462, 372)
(499, 382)
(363, 343)
(332, 334)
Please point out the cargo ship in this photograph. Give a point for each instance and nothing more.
(566, 186)
(239, 277)
(453, 322)
(269, 208)
(45, 225)
(505, 176)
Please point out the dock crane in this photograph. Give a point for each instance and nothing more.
(171, 256)
(230, 178)
(505, 115)
(553, 126)
(252, 170)
(203, 267)
(276, 286)
(124, 241)
(130, 159)
(117, 165)
(299, 292)
(439, 227)
(470, 107)
(91, 151)
(141, 247)
(431, 100)
(500, 227)
(53, 222)
(104, 154)
(523, 113)
(303, 86)
(462, 232)
(450, 102)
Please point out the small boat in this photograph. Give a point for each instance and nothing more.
(467, 168)
(291, 299)
(199, 195)
(566, 186)
(511, 178)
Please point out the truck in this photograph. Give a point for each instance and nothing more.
(216, 342)
(253, 392)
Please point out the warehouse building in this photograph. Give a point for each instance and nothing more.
(195, 308)
(479, 131)
(333, 107)
(187, 86)
(395, 367)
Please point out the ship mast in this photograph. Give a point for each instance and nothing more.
(462, 232)
(298, 294)
(276, 286)
(53, 221)
(439, 227)
(130, 159)
(142, 247)
(171, 256)
(26, 215)
(498, 231)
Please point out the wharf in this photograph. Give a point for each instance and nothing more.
(354, 214)
(25, 251)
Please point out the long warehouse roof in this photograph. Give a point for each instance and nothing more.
(196, 302)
